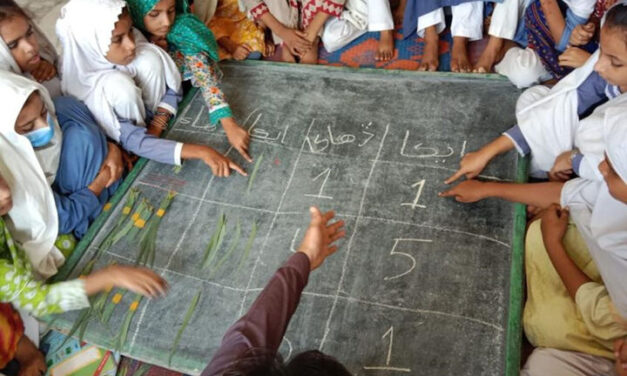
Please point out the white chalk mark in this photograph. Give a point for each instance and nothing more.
(196, 120)
(326, 172)
(412, 164)
(406, 370)
(413, 260)
(206, 200)
(461, 154)
(290, 347)
(350, 242)
(293, 244)
(431, 152)
(420, 184)
(276, 214)
(387, 366)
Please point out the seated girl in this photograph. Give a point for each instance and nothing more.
(561, 127)
(44, 145)
(125, 80)
(25, 50)
(427, 17)
(168, 24)
(359, 17)
(296, 25)
(548, 26)
(238, 36)
(577, 299)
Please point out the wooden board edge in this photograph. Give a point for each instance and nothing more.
(516, 280)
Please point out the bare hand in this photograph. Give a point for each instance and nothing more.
(241, 52)
(115, 163)
(296, 42)
(137, 279)
(554, 224)
(237, 136)
(320, 235)
(220, 165)
(470, 166)
(562, 168)
(6, 200)
(466, 191)
(620, 352)
(573, 57)
(44, 71)
(581, 34)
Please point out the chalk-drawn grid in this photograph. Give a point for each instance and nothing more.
(347, 282)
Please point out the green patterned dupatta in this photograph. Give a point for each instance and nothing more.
(188, 34)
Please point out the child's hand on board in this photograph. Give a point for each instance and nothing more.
(467, 191)
(620, 352)
(241, 52)
(554, 224)
(237, 136)
(220, 165)
(45, 71)
(320, 236)
(470, 166)
(6, 200)
(136, 279)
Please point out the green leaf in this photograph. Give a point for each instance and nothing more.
(188, 316)
(234, 244)
(127, 323)
(249, 245)
(215, 242)
(251, 179)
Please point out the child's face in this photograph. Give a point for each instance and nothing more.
(122, 47)
(19, 36)
(612, 64)
(160, 18)
(33, 115)
(616, 185)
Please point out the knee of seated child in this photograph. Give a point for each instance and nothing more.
(120, 90)
(522, 67)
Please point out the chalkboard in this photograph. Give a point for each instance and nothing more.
(420, 285)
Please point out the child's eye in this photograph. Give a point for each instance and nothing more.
(171, 10)
(154, 13)
(12, 46)
(29, 32)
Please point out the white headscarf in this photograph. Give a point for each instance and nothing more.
(581, 8)
(33, 220)
(46, 50)
(84, 29)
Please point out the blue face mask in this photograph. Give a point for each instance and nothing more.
(41, 137)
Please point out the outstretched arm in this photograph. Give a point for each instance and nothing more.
(540, 195)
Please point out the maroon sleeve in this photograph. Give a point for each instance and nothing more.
(265, 323)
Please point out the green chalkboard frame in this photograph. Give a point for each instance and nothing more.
(516, 281)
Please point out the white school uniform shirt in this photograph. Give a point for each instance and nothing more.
(602, 219)
(84, 29)
(33, 220)
(551, 124)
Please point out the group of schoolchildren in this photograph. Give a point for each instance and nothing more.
(73, 123)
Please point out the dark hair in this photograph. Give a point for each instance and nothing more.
(617, 17)
(308, 363)
(9, 10)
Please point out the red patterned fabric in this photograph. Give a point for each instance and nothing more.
(11, 331)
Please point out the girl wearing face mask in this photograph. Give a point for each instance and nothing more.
(43, 145)
(25, 50)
